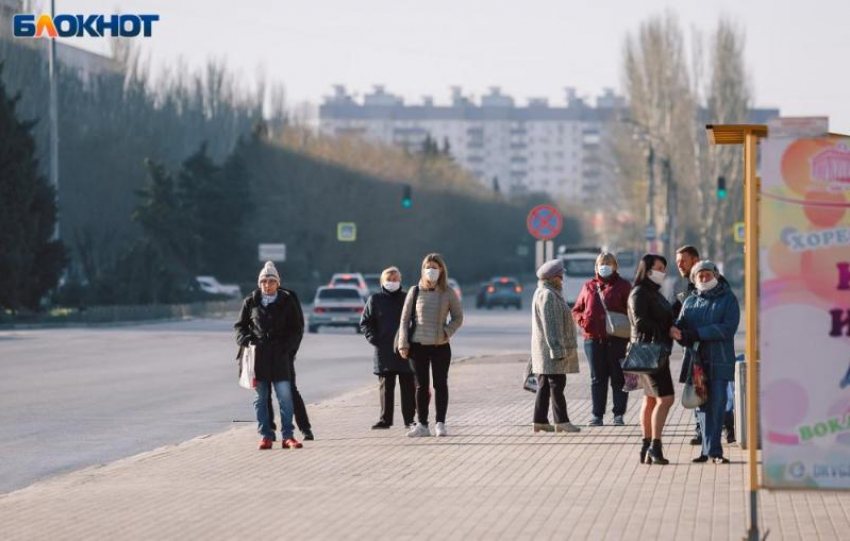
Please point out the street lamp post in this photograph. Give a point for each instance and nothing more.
(54, 122)
(650, 200)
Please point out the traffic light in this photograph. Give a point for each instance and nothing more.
(407, 197)
(721, 188)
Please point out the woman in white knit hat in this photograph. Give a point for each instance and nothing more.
(271, 321)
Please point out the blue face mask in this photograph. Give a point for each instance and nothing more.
(605, 270)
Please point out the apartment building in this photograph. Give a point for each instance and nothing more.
(534, 147)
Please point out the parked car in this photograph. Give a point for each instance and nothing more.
(373, 282)
(454, 285)
(501, 291)
(338, 306)
(350, 279)
(208, 284)
(580, 267)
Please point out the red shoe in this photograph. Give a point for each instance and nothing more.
(265, 444)
(291, 443)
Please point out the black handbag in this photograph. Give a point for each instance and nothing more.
(645, 357)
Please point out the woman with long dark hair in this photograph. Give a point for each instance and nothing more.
(651, 317)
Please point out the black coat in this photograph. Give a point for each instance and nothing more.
(650, 314)
(276, 330)
(379, 323)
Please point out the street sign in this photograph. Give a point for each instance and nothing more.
(738, 231)
(272, 252)
(544, 222)
(346, 231)
(650, 232)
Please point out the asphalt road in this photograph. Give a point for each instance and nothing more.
(76, 397)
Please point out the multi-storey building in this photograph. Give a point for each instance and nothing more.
(530, 148)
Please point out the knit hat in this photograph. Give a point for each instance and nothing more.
(550, 269)
(703, 265)
(269, 271)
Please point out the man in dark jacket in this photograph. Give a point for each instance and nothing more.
(302, 420)
(686, 257)
(379, 324)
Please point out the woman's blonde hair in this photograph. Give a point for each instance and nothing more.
(385, 274)
(443, 280)
(607, 257)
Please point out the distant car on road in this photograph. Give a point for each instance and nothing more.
(373, 282)
(208, 284)
(580, 267)
(336, 307)
(454, 285)
(350, 279)
(500, 291)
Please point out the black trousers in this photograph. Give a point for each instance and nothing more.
(604, 359)
(551, 387)
(407, 388)
(426, 360)
(302, 420)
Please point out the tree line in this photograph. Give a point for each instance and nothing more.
(162, 182)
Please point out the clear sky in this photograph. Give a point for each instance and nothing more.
(796, 51)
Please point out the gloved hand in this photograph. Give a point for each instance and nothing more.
(689, 338)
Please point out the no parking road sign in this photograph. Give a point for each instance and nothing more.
(544, 222)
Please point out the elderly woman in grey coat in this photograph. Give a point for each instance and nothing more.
(554, 352)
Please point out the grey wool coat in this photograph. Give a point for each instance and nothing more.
(553, 333)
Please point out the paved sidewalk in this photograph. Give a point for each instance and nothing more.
(491, 479)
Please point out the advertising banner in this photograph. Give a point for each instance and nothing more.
(804, 319)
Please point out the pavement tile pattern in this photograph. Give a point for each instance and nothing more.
(490, 479)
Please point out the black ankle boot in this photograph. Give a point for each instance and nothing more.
(729, 425)
(655, 455)
(643, 449)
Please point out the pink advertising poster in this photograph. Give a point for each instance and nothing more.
(804, 318)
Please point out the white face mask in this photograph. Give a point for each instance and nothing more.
(432, 275)
(657, 276)
(605, 270)
(707, 286)
(392, 286)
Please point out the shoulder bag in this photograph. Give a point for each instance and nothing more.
(616, 323)
(645, 357)
(412, 325)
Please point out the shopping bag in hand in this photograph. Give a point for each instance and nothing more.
(247, 376)
(529, 379)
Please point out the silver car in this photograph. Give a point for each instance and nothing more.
(336, 307)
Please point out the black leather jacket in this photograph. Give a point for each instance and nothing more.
(650, 314)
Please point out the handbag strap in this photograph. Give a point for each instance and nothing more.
(602, 298)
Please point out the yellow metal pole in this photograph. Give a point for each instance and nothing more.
(751, 284)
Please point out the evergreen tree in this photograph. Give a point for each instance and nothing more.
(30, 261)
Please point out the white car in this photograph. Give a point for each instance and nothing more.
(350, 279)
(454, 285)
(210, 285)
(580, 267)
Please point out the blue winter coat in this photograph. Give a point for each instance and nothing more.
(710, 318)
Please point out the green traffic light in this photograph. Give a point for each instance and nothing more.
(721, 194)
(406, 203)
(721, 188)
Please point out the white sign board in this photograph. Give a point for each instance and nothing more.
(804, 312)
(272, 252)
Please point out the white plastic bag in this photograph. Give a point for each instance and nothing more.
(529, 379)
(247, 377)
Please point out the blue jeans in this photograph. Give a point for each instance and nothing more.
(710, 416)
(283, 390)
(604, 356)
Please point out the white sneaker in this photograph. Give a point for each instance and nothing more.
(441, 430)
(419, 431)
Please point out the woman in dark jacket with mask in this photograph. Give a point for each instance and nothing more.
(706, 327)
(604, 352)
(651, 317)
(379, 324)
(271, 321)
